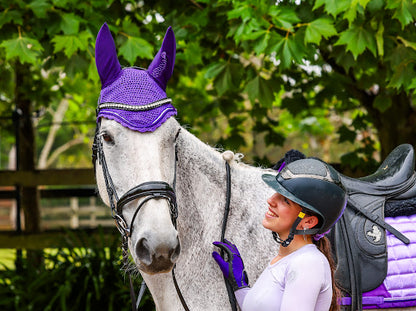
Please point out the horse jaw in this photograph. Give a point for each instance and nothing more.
(133, 158)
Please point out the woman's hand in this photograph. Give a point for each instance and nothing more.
(231, 265)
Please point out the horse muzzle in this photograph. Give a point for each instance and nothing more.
(155, 255)
(154, 240)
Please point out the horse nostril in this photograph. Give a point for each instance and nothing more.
(143, 251)
(174, 253)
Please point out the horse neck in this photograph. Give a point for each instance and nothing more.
(201, 187)
(200, 168)
(198, 160)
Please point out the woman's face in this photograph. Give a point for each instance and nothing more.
(281, 214)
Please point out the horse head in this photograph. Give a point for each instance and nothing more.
(134, 155)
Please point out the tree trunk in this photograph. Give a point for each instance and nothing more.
(26, 148)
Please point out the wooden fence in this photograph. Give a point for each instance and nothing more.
(73, 215)
(68, 202)
(76, 216)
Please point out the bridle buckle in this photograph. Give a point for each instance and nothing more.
(121, 225)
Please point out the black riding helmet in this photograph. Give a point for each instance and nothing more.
(315, 186)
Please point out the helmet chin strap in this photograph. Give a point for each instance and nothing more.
(293, 231)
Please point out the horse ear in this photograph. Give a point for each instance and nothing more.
(106, 59)
(161, 68)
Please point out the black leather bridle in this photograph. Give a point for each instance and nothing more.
(148, 190)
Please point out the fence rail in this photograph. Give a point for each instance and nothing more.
(58, 238)
(73, 215)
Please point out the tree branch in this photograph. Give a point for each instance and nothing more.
(57, 119)
(58, 151)
(196, 4)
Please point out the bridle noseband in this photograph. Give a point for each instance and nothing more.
(149, 190)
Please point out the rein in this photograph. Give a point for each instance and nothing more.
(230, 292)
(150, 190)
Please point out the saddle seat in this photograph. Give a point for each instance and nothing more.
(390, 178)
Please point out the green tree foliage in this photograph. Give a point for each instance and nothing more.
(244, 69)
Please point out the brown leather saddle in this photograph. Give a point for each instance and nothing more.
(359, 238)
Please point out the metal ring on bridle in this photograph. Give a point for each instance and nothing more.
(121, 225)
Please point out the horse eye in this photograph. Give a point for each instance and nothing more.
(107, 138)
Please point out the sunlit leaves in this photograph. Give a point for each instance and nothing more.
(70, 24)
(289, 49)
(284, 17)
(357, 39)
(363, 3)
(333, 7)
(70, 44)
(243, 12)
(321, 27)
(404, 11)
(262, 42)
(135, 47)
(25, 49)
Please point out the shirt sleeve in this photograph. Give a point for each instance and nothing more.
(304, 281)
(240, 295)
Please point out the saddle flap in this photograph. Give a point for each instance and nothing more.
(361, 253)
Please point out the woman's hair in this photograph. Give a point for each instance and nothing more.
(324, 246)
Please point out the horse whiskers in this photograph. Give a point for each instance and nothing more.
(130, 268)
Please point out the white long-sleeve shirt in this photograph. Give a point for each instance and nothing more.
(301, 281)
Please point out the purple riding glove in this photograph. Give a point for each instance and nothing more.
(232, 265)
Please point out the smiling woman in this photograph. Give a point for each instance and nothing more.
(282, 214)
(309, 199)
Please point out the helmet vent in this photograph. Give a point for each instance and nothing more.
(309, 168)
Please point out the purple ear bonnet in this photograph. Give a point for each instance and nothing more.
(136, 98)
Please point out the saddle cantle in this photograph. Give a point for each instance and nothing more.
(396, 170)
(359, 236)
